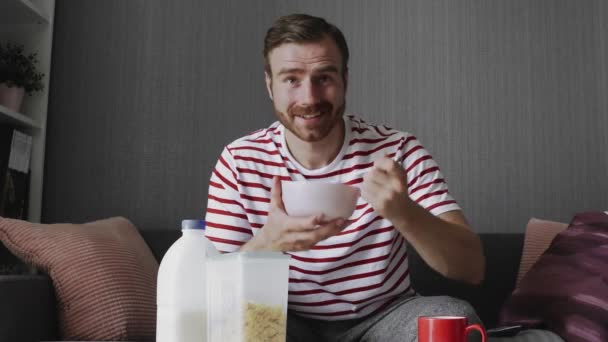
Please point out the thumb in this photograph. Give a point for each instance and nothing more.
(390, 166)
(399, 170)
(276, 194)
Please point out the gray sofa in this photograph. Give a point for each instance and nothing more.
(27, 301)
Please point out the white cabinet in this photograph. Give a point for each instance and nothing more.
(30, 22)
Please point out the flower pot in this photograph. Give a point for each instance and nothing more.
(11, 97)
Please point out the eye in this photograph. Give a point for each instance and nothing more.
(290, 80)
(323, 79)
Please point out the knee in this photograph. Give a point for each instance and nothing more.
(458, 307)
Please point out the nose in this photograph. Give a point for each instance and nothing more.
(308, 93)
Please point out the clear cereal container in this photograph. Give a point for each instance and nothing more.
(247, 297)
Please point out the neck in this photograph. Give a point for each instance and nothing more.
(316, 154)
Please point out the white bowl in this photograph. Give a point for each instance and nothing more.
(333, 200)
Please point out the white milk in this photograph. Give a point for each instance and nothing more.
(180, 325)
(182, 289)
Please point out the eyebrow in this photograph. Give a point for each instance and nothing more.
(328, 68)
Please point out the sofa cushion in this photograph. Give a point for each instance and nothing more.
(103, 273)
(566, 289)
(539, 234)
(27, 308)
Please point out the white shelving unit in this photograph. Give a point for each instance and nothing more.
(30, 22)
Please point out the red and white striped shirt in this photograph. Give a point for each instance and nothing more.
(364, 267)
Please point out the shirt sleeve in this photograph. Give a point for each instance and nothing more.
(227, 225)
(426, 184)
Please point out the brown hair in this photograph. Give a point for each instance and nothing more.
(299, 28)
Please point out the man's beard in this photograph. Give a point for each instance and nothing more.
(330, 119)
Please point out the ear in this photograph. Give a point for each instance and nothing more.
(268, 79)
(345, 80)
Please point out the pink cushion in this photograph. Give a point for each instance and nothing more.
(566, 290)
(538, 237)
(103, 272)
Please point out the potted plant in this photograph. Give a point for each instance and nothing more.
(18, 75)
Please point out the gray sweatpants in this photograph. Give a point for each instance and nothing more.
(398, 322)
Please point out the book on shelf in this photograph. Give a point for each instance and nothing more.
(15, 154)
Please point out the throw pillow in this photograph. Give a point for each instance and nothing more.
(538, 237)
(566, 290)
(103, 272)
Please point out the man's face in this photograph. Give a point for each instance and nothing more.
(307, 88)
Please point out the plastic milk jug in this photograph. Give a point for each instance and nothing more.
(181, 289)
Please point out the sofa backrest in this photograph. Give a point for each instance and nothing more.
(502, 251)
(159, 241)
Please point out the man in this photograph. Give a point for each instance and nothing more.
(349, 279)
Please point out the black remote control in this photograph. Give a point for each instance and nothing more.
(505, 331)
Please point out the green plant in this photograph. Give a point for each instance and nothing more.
(18, 69)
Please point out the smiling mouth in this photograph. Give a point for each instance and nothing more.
(309, 116)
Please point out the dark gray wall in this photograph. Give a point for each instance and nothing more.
(509, 96)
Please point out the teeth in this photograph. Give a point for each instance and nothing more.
(309, 116)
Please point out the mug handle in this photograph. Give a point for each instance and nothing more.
(477, 327)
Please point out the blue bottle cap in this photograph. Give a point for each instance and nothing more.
(193, 224)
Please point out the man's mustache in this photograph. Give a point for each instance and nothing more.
(323, 108)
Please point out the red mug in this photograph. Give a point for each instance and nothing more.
(446, 329)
